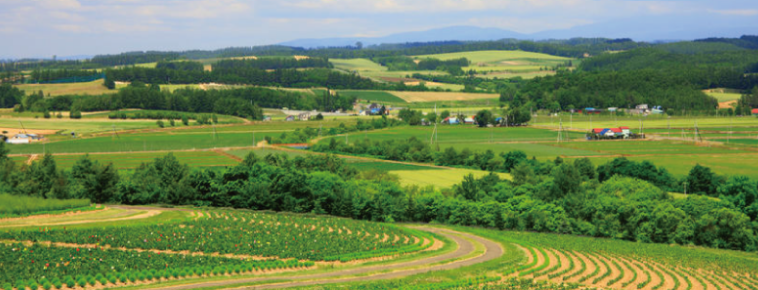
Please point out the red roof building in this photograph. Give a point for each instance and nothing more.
(616, 130)
(597, 130)
(755, 111)
(624, 128)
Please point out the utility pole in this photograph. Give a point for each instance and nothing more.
(254, 145)
(685, 188)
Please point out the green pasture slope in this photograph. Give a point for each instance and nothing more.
(503, 60)
(374, 96)
(134, 160)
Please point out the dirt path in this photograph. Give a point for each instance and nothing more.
(492, 251)
(147, 214)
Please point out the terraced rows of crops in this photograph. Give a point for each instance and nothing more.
(603, 270)
(247, 234)
(36, 265)
(213, 243)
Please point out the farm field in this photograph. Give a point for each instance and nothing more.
(12, 205)
(413, 97)
(628, 147)
(80, 126)
(584, 123)
(160, 253)
(440, 178)
(95, 87)
(375, 96)
(724, 95)
(499, 61)
(681, 164)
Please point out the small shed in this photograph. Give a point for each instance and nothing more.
(452, 120)
(266, 118)
(304, 116)
(290, 118)
(469, 120)
(19, 139)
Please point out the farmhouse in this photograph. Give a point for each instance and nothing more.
(469, 120)
(451, 121)
(592, 111)
(304, 116)
(19, 139)
(755, 112)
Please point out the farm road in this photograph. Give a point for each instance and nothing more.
(492, 250)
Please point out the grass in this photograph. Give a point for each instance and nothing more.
(519, 62)
(81, 126)
(724, 95)
(359, 65)
(439, 178)
(649, 148)
(13, 205)
(89, 88)
(362, 165)
(134, 160)
(585, 123)
(376, 96)
(508, 75)
(442, 96)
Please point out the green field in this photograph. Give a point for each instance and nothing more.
(503, 60)
(376, 96)
(81, 126)
(13, 205)
(585, 122)
(95, 87)
(724, 95)
(134, 160)
(445, 178)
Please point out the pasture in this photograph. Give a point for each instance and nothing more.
(413, 97)
(133, 160)
(503, 60)
(374, 96)
(724, 95)
(80, 126)
(95, 87)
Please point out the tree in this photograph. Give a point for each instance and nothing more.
(109, 83)
(160, 123)
(185, 120)
(585, 167)
(444, 114)
(214, 118)
(75, 114)
(319, 117)
(431, 117)
(702, 181)
(567, 178)
(359, 45)
(46, 114)
(483, 118)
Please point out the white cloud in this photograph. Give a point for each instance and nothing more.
(737, 12)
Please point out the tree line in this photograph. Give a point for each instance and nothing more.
(242, 102)
(554, 196)
(273, 63)
(48, 75)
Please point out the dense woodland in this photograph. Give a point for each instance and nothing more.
(554, 196)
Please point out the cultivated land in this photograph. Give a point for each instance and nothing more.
(95, 87)
(499, 63)
(145, 247)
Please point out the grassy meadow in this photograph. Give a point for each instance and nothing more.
(95, 87)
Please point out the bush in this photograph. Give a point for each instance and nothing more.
(59, 115)
(75, 114)
(160, 123)
(172, 122)
(46, 115)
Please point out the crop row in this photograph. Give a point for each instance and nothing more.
(239, 233)
(25, 264)
(409, 248)
(655, 275)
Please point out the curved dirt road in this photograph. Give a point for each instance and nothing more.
(492, 250)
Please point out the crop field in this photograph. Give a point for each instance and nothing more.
(95, 87)
(681, 164)
(134, 160)
(650, 148)
(80, 126)
(621, 265)
(501, 60)
(586, 123)
(208, 244)
(508, 75)
(370, 69)
(413, 97)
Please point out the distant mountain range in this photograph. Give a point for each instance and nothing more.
(652, 29)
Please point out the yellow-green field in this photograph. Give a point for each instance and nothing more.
(439, 178)
(724, 95)
(90, 88)
(503, 60)
(413, 97)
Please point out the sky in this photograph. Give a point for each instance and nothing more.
(43, 28)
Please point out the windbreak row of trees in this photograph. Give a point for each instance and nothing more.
(274, 63)
(48, 75)
(404, 63)
(554, 196)
(242, 102)
(317, 77)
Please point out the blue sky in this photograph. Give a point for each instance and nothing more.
(42, 28)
